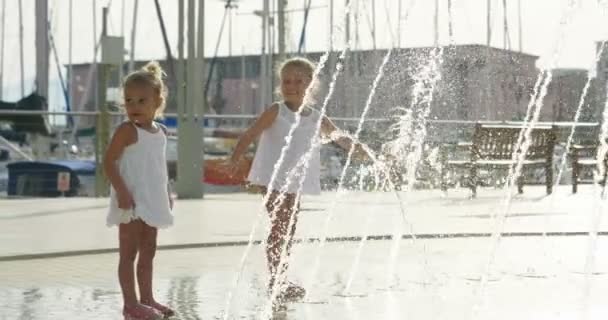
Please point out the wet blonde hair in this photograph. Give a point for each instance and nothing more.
(151, 74)
(304, 65)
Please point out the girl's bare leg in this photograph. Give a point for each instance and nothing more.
(128, 239)
(147, 250)
(145, 264)
(279, 233)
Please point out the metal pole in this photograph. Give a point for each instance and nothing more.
(133, 36)
(356, 31)
(2, 49)
(346, 24)
(95, 67)
(243, 81)
(200, 105)
(21, 48)
(505, 25)
(488, 22)
(102, 129)
(42, 48)
(263, 62)
(519, 26)
(70, 67)
(436, 24)
(348, 68)
(374, 24)
(121, 69)
(229, 30)
(450, 26)
(281, 27)
(399, 8)
(16, 149)
(191, 59)
(271, 31)
(122, 18)
(180, 81)
(271, 50)
(163, 30)
(189, 129)
(331, 25)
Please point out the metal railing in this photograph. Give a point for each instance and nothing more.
(79, 143)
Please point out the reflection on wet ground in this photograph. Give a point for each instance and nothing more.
(532, 278)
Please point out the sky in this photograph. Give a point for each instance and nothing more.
(573, 24)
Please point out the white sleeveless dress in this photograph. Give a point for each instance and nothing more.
(143, 167)
(293, 172)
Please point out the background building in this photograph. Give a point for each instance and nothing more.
(477, 83)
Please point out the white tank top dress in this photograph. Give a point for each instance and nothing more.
(269, 149)
(143, 167)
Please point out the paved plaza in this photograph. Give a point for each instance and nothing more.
(425, 261)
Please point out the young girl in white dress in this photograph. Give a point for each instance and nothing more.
(135, 164)
(272, 127)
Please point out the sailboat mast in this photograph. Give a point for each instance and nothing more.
(42, 48)
(489, 23)
(281, 27)
(519, 26)
(399, 24)
(450, 23)
(133, 33)
(21, 48)
(264, 61)
(331, 25)
(436, 24)
(506, 40)
(2, 49)
(94, 79)
(374, 24)
(163, 30)
(347, 23)
(121, 68)
(70, 76)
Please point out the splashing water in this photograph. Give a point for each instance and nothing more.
(577, 114)
(602, 152)
(411, 129)
(522, 146)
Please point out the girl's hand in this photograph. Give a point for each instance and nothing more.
(360, 155)
(125, 200)
(232, 165)
(363, 153)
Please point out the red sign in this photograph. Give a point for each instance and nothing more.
(63, 181)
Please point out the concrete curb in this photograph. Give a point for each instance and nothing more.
(202, 245)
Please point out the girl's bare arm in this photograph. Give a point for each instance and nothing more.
(261, 124)
(124, 136)
(329, 129)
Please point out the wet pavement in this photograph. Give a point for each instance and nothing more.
(436, 274)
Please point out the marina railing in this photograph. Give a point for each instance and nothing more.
(73, 136)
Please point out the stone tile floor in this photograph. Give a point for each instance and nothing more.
(45, 273)
(531, 278)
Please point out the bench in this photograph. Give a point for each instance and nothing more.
(493, 147)
(585, 155)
